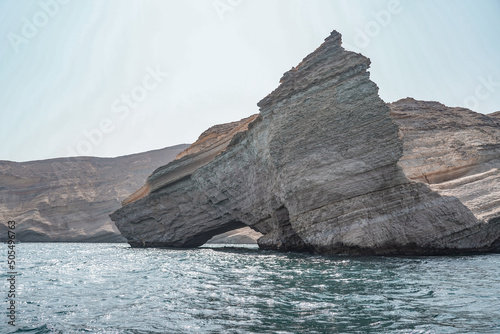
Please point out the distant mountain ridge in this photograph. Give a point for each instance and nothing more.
(69, 199)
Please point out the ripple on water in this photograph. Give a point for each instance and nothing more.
(111, 288)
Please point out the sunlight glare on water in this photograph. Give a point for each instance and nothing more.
(112, 288)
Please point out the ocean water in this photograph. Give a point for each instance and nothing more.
(112, 288)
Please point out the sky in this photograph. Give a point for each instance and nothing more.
(116, 77)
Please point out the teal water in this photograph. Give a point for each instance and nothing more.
(111, 288)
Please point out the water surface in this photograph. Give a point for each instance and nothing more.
(111, 288)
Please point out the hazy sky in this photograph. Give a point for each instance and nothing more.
(109, 78)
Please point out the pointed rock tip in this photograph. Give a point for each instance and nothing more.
(334, 38)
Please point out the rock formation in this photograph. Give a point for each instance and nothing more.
(319, 169)
(454, 150)
(495, 116)
(69, 199)
(209, 145)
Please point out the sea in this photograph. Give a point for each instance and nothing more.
(112, 288)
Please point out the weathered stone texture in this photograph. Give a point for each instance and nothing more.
(317, 170)
(454, 150)
(70, 199)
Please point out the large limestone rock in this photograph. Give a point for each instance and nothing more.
(69, 199)
(454, 150)
(318, 169)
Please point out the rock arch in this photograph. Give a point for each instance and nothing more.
(316, 170)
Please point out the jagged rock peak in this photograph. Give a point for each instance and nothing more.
(328, 61)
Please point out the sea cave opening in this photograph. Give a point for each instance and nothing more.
(240, 236)
(233, 233)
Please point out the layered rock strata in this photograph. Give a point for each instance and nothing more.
(210, 143)
(70, 199)
(454, 150)
(317, 170)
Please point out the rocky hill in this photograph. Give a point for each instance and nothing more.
(454, 150)
(70, 199)
(496, 116)
(321, 168)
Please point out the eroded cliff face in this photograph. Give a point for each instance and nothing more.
(210, 143)
(454, 150)
(70, 199)
(317, 170)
